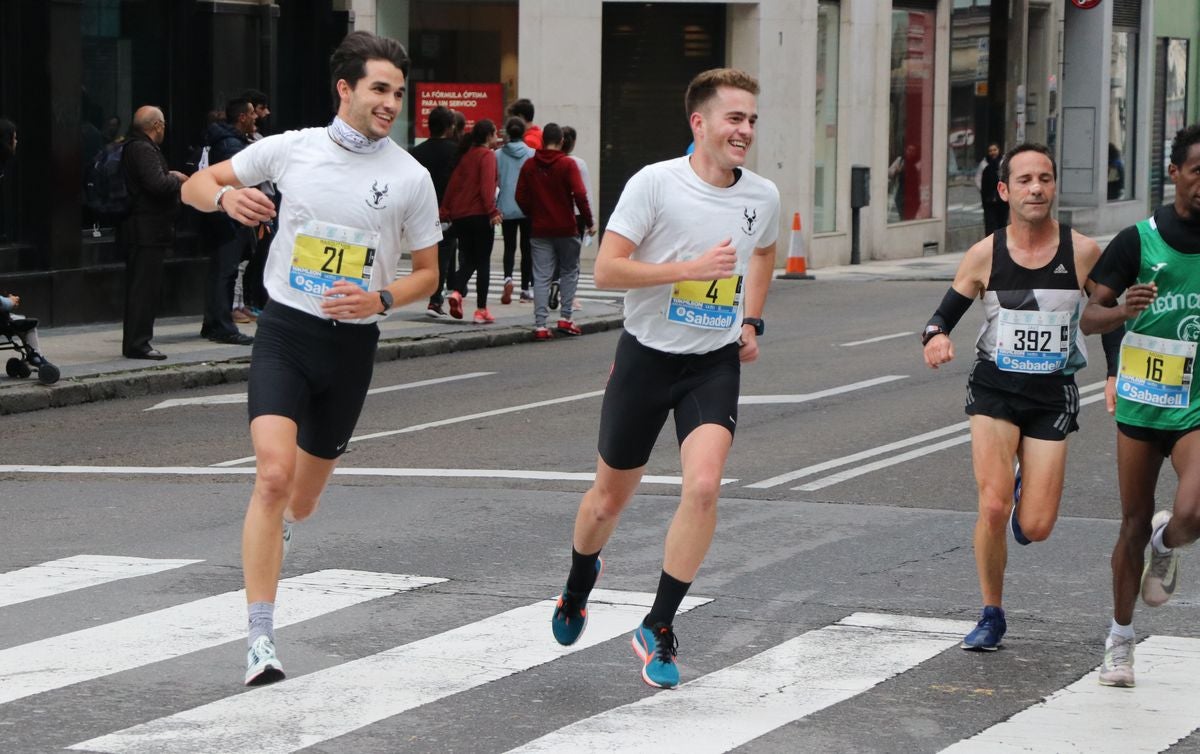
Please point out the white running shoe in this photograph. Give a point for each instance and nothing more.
(1117, 669)
(262, 666)
(287, 537)
(1162, 572)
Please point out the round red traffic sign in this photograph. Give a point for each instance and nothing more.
(1085, 4)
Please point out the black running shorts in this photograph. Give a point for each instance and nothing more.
(646, 384)
(1163, 440)
(313, 371)
(1044, 410)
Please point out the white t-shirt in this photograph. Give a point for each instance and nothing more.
(344, 215)
(672, 215)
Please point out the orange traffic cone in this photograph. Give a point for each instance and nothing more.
(797, 263)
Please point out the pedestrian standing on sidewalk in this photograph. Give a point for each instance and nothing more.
(1021, 395)
(332, 278)
(437, 154)
(1156, 264)
(548, 190)
(510, 158)
(470, 206)
(693, 239)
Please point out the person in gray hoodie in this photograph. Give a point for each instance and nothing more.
(509, 159)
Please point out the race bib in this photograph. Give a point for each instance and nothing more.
(325, 253)
(1156, 371)
(708, 304)
(1032, 342)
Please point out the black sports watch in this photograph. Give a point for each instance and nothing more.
(758, 325)
(386, 299)
(929, 333)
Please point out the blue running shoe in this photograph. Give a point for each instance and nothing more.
(1013, 522)
(570, 614)
(986, 635)
(657, 648)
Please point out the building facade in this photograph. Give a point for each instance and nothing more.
(911, 90)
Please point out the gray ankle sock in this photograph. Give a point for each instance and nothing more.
(262, 621)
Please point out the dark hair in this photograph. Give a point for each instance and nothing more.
(569, 137)
(552, 133)
(257, 98)
(1184, 139)
(8, 130)
(704, 86)
(349, 61)
(477, 136)
(440, 120)
(1026, 147)
(235, 107)
(522, 108)
(514, 128)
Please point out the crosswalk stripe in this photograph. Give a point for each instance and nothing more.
(1086, 716)
(785, 683)
(307, 710)
(76, 572)
(164, 634)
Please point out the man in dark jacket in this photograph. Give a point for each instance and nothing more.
(987, 180)
(149, 230)
(229, 242)
(437, 154)
(548, 191)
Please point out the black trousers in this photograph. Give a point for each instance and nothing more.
(143, 288)
(510, 229)
(475, 237)
(223, 264)
(447, 248)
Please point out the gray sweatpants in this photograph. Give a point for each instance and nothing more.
(547, 251)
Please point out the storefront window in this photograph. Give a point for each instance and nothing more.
(910, 142)
(974, 108)
(1122, 114)
(825, 141)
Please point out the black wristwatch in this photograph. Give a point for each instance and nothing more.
(929, 332)
(386, 299)
(758, 325)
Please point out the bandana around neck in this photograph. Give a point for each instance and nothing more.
(346, 137)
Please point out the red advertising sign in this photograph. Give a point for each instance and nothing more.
(475, 101)
(1085, 4)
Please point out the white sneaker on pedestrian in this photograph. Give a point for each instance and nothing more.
(1162, 571)
(262, 666)
(1117, 669)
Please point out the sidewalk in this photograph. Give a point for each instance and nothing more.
(93, 369)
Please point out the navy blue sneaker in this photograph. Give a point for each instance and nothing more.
(1014, 523)
(986, 635)
(570, 613)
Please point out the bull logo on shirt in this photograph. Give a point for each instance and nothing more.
(751, 218)
(378, 194)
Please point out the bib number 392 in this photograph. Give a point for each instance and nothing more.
(1032, 342)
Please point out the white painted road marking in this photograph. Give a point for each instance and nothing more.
(1088, 717)
(732, 706)
(307, 710)
(161, 635)
(76, 572)
(854, 458)
(233, 398)
(563, 476)
(452, 420)
(752, 400)
(853, 343)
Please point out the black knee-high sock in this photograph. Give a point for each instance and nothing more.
(667, 600)
(583, 572)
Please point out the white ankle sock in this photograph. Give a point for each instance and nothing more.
(1125, 632)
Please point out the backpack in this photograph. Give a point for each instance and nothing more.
(106, 192)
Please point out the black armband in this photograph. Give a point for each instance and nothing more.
(1112, 348)
(954, 305)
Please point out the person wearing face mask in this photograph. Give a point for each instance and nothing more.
(352, 200)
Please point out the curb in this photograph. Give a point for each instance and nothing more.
(154, 380)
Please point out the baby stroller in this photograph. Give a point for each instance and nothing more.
(27, 361)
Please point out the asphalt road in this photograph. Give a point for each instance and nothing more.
(850, 497)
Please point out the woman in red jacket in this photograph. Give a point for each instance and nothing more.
(470, 206)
